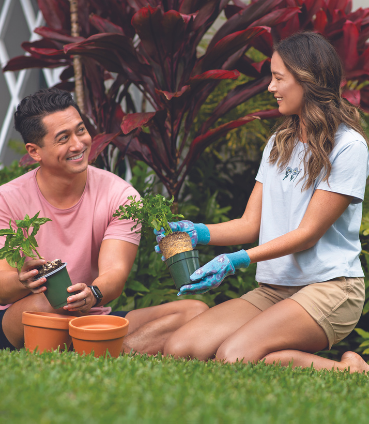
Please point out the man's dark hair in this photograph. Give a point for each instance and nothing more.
(33, 108)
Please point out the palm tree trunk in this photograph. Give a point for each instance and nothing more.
(77, 65)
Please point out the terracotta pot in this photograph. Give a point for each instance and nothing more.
(46, 331)
(99, 334)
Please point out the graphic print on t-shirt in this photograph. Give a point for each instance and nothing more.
(292, 173)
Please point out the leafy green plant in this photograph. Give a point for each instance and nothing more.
(206, 198)
(150, 212)
(20, 241)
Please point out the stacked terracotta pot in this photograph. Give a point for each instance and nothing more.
(100, 334)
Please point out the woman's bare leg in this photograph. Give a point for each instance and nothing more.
(283, 333)
(149, 328)
(349, 361)
(201, 337)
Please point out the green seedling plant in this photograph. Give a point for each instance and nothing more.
(150, 212)
(21, 241)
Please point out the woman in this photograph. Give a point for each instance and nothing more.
(306, 211)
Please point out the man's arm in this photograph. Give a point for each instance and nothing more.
(116, 258)
(15, 286)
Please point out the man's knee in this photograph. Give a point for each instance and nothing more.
(38, 303)
(41, 304)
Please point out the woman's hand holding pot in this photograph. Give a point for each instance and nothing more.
(82, 301)
(214, 272)
(199, 233)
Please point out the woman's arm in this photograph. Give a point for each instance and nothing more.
(324, 209)
(243, 230)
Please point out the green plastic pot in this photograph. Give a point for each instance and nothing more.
(57, 283)
(182, 265)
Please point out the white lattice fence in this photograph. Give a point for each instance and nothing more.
(16, 81)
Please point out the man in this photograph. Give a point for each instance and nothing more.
(80, 200)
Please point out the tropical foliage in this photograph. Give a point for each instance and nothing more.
(155, 46)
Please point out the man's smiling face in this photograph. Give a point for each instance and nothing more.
(67, 144)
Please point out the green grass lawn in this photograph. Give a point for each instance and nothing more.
(67, 388)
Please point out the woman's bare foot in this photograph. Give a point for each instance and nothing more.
(353, 361)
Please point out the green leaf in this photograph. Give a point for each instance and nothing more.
(137, 286)
(41, 221)
(33, 219)
(26, 247)
(22, 223)
(16, 256)
(366, 308)
(231, 294)
(6, 232)
(36, 227)
(32, 241)
(9, 258)
(16, 241)
(155, 224)
(20, 263)
(362, 333)
(3, 252)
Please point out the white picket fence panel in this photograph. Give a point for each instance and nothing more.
(16, 83)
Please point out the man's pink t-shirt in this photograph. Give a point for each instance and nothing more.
(74, 235)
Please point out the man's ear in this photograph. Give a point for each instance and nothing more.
(33, 151)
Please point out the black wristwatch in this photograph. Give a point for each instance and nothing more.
(97, 293)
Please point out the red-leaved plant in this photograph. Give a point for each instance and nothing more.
(154, 46)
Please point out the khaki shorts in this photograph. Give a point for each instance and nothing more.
(336, 305)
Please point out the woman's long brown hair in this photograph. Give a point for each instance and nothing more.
(315, 64)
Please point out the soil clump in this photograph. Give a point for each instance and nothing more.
(48, 267)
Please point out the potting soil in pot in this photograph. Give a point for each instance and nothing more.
(48, 267)
(174, 243)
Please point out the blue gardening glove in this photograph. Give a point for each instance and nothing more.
(199, 233)
(214, 272)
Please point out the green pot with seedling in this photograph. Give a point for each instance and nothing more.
(154, 212)
(20, 244)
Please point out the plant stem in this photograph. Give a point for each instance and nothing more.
(35, 250)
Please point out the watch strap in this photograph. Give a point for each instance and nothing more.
(97, 294)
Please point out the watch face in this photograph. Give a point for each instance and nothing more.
(98, 292)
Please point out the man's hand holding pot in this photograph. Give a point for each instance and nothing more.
(28, 276)
(82, 301)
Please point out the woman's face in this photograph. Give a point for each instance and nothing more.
(288, 92)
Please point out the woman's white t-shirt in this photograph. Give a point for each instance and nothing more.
(336, 254)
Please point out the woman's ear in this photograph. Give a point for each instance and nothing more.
(33, 151)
